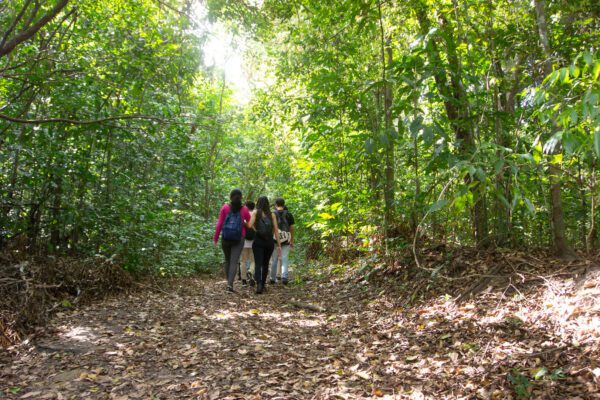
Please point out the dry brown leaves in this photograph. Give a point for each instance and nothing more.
(199, 342)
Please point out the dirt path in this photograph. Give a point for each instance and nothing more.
(200, 342)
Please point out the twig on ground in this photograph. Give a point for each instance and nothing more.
(552, 350)
(308, 306)
(155, 288)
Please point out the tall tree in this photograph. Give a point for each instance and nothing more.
(561, 245)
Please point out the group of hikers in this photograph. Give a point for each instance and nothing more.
(261, 237)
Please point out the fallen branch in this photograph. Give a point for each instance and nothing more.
(479, 285)
(155, 288)
(307, 306)
(552, 350)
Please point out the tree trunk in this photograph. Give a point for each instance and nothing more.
(589, 240)
(457, 111)
(390, 164)
(389, 187)
(416, 215)
(561, 245)
(55, 224)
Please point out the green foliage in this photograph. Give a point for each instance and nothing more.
(445, 117)
(472, 107)
(146, 189)
(520, 382)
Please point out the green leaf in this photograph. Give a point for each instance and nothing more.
(530, 206)
(564, 75)
(498, 165)
(369, 146)
(539, 373)
(66, 303)
(415, 126)
(428, 135)
(383, 137)
(480, 174)
(326, 216)
(437, 205)
(551, 145)
(515, 200)
(504, 201)
(597, 142)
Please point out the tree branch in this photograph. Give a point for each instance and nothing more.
(78, 122)
(29, 32)
(14, 24)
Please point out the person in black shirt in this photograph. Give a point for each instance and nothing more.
(285, 222)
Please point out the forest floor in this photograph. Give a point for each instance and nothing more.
(334, 338)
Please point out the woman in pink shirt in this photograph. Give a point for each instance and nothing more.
(232, 224)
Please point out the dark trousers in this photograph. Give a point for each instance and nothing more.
(232, 250)
(262, 249)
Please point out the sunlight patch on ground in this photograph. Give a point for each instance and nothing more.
(287, 319)
(79, 333)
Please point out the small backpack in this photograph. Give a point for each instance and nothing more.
(282, 220)
(232, 227)
(250, 233)
(265, 228)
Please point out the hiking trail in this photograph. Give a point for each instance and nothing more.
(196, 341)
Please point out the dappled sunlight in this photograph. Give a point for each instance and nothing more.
(225, 346)
(79, 333)
(224, 315)
(284, 319)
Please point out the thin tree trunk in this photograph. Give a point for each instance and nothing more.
(390, 164)
(589, 241)
(584, 206)
(56, 212)
(499, 103)
(561, 245)
(389, 187)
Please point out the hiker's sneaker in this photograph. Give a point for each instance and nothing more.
(252, 283)
(244, 283)
(230, 290)
(272, 281)
(259, 288)
(284, 281)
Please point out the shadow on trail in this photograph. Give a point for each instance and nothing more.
(204, 343)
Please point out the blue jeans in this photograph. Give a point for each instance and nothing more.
(285, 254)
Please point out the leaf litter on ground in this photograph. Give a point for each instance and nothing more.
(529, 334)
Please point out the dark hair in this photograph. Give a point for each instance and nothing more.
(263, 208)
(236, 200)
(250, 205)
(280, 202)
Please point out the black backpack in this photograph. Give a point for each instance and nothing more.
(250, 234)
(264, 228)
(282, 220)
